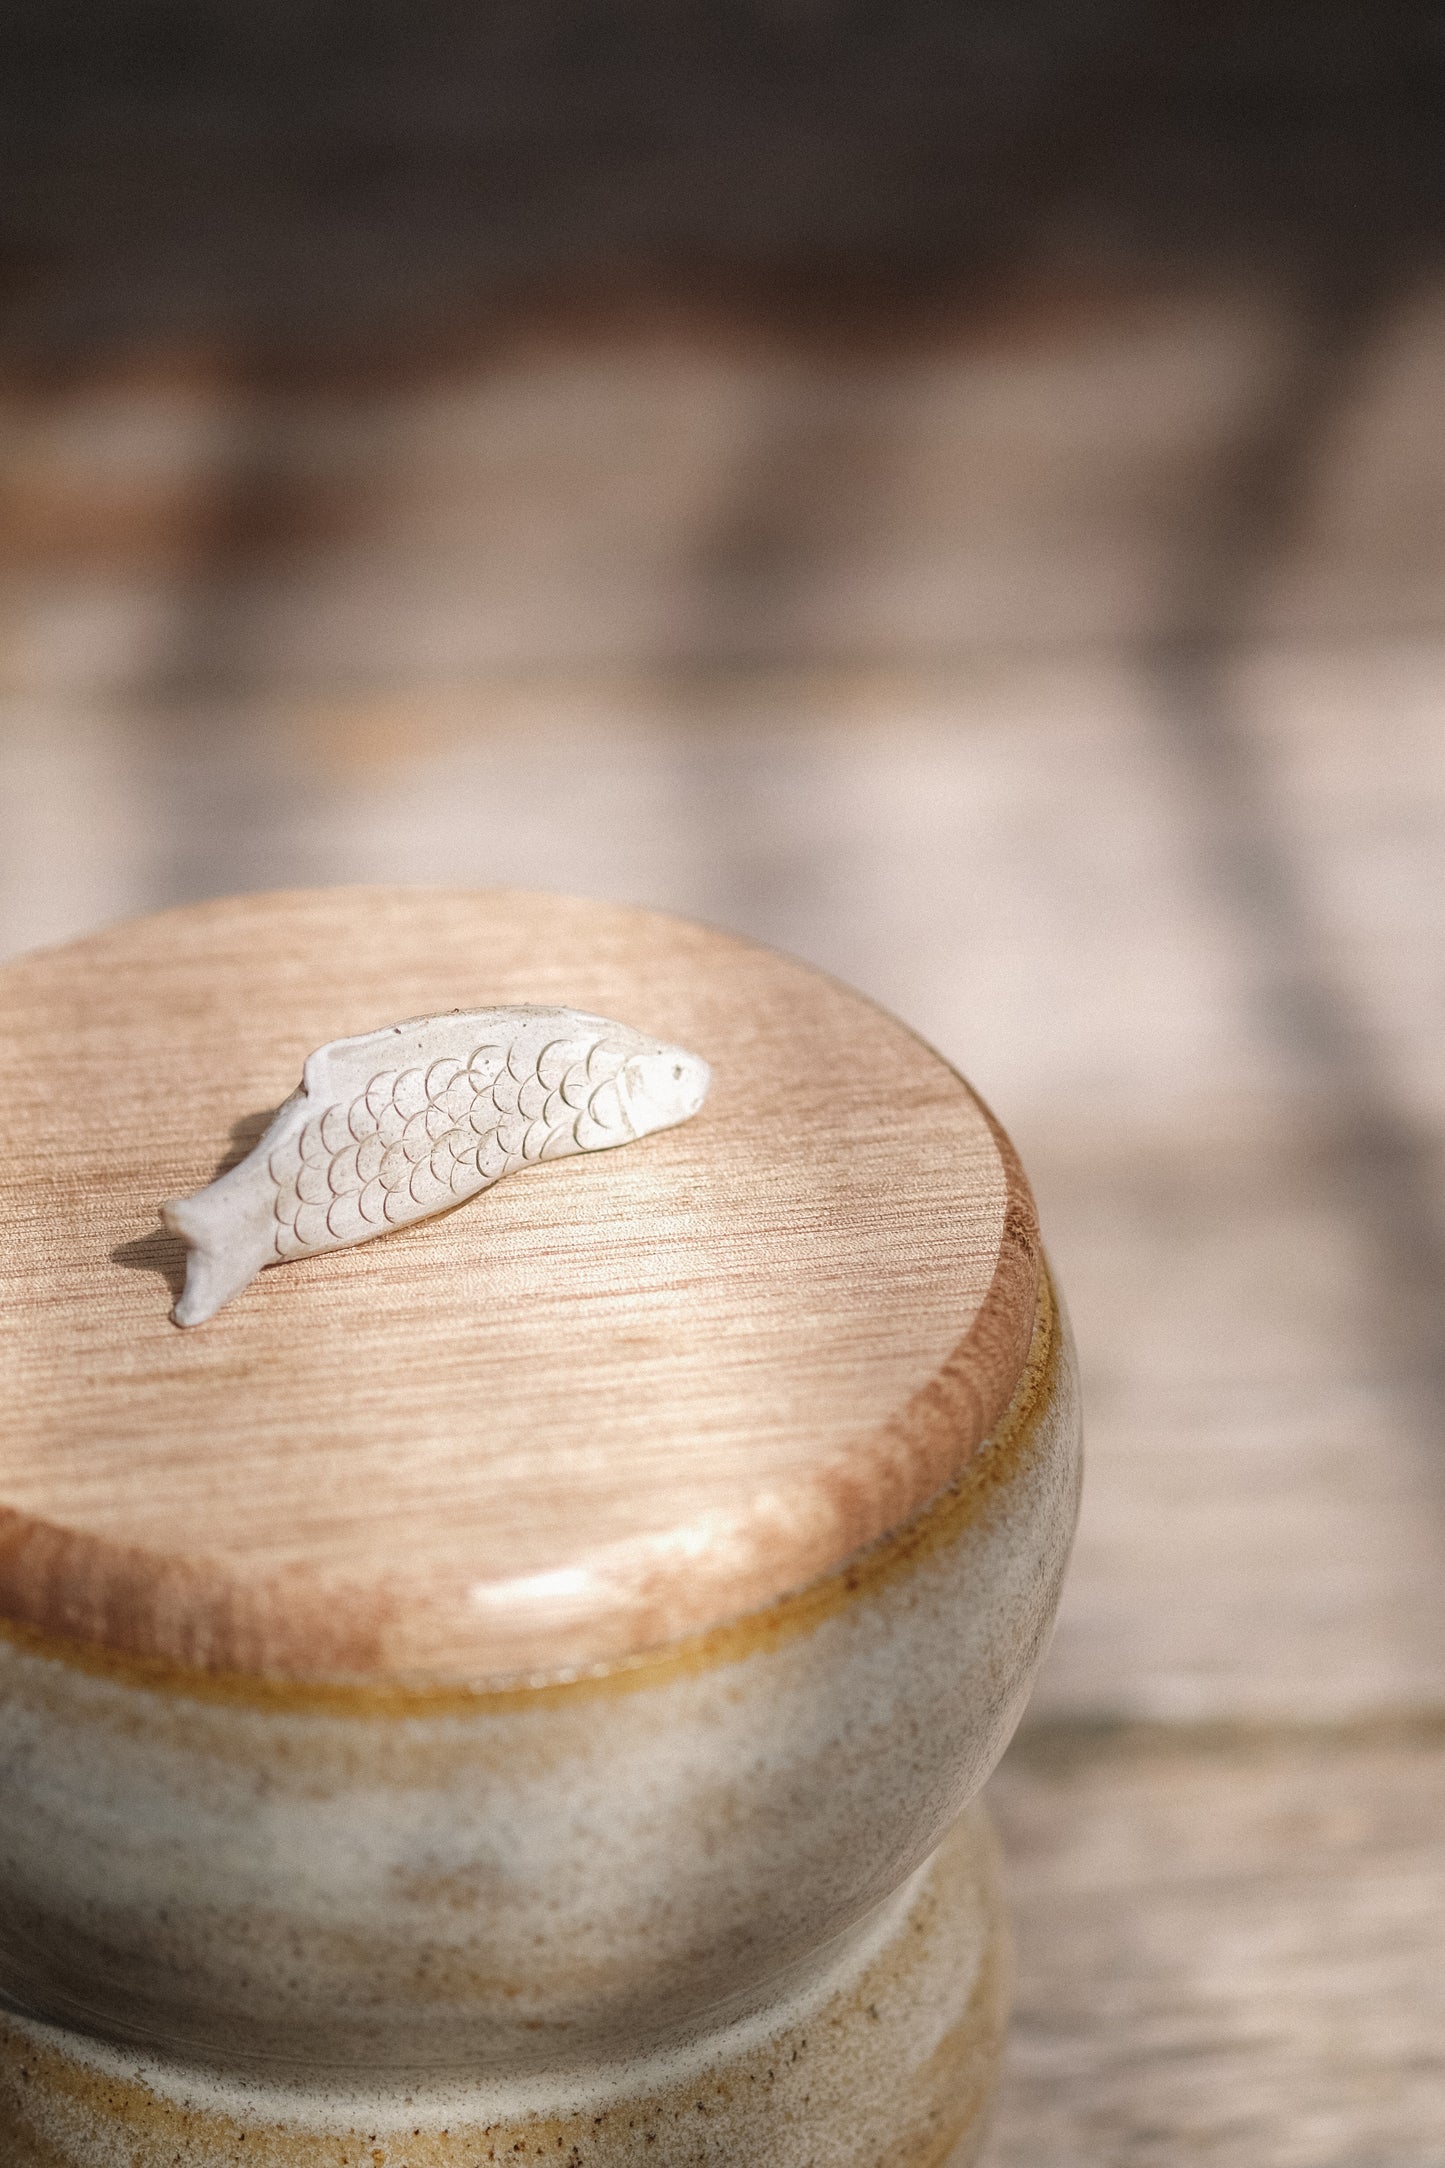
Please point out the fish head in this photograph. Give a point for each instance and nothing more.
(660, 1086)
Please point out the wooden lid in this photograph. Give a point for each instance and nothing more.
(616, 1400)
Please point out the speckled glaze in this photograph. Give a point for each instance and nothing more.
(451, 1926)
(884, 2052)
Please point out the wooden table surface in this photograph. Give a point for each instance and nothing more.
(1069, 679)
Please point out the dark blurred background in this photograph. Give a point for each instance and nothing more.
(304, 181)
(958, 492)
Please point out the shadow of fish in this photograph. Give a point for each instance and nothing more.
(401, 1123)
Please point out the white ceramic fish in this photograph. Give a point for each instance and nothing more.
(398, 1124)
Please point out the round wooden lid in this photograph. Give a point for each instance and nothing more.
(613, 1401)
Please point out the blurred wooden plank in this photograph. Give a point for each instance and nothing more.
(1228, 1950)
(1366, 546)
(641, 496)
(1263, 1529)
(1352, 751)
(1000, 851)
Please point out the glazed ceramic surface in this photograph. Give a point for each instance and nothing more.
(880, 2055)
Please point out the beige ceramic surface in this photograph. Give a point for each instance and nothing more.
(882, 2057)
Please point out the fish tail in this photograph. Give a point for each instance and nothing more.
(216, 1266)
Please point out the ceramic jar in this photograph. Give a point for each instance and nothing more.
(518, 1691)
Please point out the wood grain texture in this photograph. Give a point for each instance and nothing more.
(612, 1402)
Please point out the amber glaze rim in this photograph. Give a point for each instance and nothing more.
(992, 1465)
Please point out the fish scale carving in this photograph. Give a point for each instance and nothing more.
(419, 1139)
(397, 1124)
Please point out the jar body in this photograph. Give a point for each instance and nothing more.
(534, 1885)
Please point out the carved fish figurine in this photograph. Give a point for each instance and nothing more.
(398, 1124)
